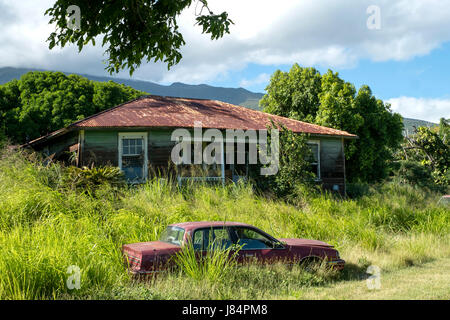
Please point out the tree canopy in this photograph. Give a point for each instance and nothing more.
(132, 30)
(429, 151)
(304, 94)
(42, 102)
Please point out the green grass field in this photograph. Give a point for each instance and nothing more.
(45, 227)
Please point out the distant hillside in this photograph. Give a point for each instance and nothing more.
(238, 96)
(411, 123)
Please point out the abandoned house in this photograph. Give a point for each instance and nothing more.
(137, 137)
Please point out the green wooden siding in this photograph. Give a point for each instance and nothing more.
(159, 149)
(100, 148)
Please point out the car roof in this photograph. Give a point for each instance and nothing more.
(205, 224)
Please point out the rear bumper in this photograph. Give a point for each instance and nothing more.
(142, 274)
(337, 264)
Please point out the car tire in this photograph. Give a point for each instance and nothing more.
(311, 264)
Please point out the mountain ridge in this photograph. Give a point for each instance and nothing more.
(238, 96)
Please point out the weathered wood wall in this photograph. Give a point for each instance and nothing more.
(100, 147)
(59, 147)
(159, 149)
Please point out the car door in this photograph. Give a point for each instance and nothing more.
(257, 246)
(213, 238)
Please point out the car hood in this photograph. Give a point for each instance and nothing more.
(152, 247)
(305, 242)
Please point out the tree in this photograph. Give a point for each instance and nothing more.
(444, 130)
(294, 169)
(294, 94)
(306, 95)
(132, 30)
(9, 107)
(42, 102)
(431, 150)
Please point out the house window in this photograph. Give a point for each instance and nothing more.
(132, 147)
(133, 155)
(315, 157)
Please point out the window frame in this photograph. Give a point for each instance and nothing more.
(265, 234)
(203, 249)
(134, 135)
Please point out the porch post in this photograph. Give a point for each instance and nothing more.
(223, 162)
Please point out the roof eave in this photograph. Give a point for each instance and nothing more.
(348, 137)
(50, 136)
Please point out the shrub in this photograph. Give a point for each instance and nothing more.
(414, 173)
(294, 167)
(357, 189)
(90, 179)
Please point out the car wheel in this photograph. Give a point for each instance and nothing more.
(311, 264)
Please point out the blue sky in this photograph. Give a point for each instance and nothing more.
(400, 50)
(426, 76)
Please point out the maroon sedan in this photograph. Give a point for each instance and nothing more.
(255, 244)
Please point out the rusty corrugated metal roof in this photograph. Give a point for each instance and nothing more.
(157, 111)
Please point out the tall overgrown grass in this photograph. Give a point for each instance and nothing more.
(214, 265)
(45, 227)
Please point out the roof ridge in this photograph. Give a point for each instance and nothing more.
(278, 116)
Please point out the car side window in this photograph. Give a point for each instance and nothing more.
(198, 239)
(211, 237)
(221, 238)
(250, 239)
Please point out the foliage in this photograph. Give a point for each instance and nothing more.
(294, 94)
(444, 130)
(3, 139)
(306, 95)
(133, 31)
(414, 173)
(294, 169)
(89, 179)
(215, 265)
(42, 102)
(45, 227)
(430, 148)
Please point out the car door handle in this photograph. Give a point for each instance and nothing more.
(249, 255)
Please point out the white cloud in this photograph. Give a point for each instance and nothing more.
(330, 33)
(261, 78)
(327, 33)
(421, 108)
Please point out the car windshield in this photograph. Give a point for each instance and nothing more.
(172, 235)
